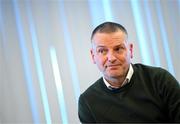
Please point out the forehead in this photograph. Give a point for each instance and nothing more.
(109, 39)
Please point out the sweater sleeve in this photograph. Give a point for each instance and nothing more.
(85, 115)
(170, 93)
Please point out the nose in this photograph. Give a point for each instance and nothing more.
(111, 57)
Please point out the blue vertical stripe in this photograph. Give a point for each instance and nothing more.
(70, 52)
(164, 38)
(26, 63)
(95, 11)
(140, 32)
(174, 19)
(179, 7)
(38, 64)
(152, 34)
(107, 10)
(178, 27)
(2, 28)
(58, 83)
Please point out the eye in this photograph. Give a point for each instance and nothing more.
(119, 49)
(102, 51)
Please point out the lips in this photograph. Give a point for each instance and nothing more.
(112, 65)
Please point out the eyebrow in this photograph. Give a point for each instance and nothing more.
(99, 46)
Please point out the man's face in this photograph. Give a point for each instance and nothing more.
(112, 54)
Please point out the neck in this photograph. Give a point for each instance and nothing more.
(116, 82)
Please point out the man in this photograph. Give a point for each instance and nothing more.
(126, 92)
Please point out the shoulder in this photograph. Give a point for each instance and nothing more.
(94, 88)
(149, 69)
(155, 73)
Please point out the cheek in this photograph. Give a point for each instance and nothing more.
(124, 58)
(100, 61)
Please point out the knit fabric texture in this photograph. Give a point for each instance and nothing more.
(152, 95)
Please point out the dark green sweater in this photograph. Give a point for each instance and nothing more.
(152, 95)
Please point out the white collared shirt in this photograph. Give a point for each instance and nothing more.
(127, 79)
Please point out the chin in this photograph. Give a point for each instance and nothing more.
(114, 75)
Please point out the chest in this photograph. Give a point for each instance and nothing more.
(139, 105)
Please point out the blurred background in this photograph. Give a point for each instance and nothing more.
(45, 61)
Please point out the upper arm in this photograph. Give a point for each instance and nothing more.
(84, 112)
(171, 95)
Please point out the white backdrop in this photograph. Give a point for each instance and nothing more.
(44, 51)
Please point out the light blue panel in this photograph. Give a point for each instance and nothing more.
(179, 6)
(70, 53)
(140, 32)
(58, 82)
(179, 17)
(107, 10)
(38, 64)
(26, 63)
(2, 28)
(152, 34)
(96, 12)
(164, 38)
(174, 22)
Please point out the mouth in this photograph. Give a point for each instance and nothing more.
(112, 66)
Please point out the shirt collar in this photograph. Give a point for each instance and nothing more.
(127, 79)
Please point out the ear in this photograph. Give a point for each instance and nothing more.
(131, 50)
(93, 56)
